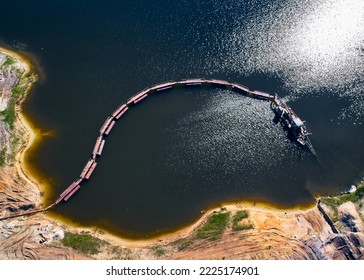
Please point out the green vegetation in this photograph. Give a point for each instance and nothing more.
(184, 243)
(214, 227)
(9, 61)
(116, 250)
(240, 215)
(84, 242)
(18, 91)
(158, 251)
(334, 202)
(237, 221)
(2, 156)
(353, 197)
(14, 148)
(244, 226)
(120, 253)
(9, 114)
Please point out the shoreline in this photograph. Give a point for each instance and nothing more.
(268, 218)
(187, 230)
(30, 139)
(29, 134)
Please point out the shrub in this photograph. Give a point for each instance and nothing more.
(2, 157)
(184, 243)
(238, 217)
(9, 61)
(84, 243)
(214, 227)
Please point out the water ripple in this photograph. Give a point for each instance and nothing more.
(312, 45)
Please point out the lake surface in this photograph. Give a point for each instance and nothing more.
(182, 151)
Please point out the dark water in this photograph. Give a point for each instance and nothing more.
(182, 151)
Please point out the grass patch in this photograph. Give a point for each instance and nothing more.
(353, 197)
(84, 243)
(335, 202)
(8, 114)
(18, 91)
(116, 250)
(9, 61)
(238, 217)
(214, 227)
(121, 253)
(2, 156)
(158, 251)
(14, 148)
(333, 205)
(184, 243)
(244, 226)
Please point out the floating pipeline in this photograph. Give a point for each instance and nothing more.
(288, 119)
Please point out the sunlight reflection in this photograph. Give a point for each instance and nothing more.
(332, 31)
(312, 45)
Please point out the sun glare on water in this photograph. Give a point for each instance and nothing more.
(311, 45)
(331, 36)
(333, 28)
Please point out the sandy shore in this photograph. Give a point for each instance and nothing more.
(29, 133)
(25, 64)
(188, 230)
(31, 137)
(277, 233)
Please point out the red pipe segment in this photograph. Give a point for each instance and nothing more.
(262, 95)
(193, 84)
(96, 147)
(72, 193)
(99, 152)
(243, 88)
(135, 97)
(86, 168)
(164, 88)
(140, 98)
(105, 125)
(91, 170)
(117, 111)
(68, 190)
(122, 113)
(109, 128)
(220, 82)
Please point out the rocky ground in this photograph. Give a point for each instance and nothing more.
(333, 229)
(276, 235)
